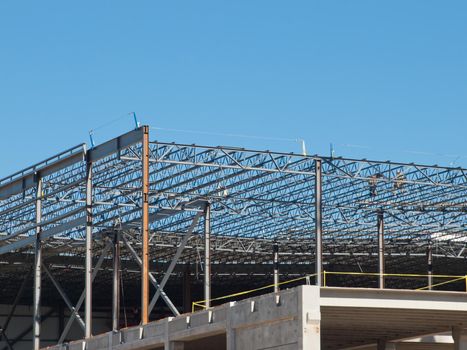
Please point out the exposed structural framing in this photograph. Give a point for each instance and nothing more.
(148, 210)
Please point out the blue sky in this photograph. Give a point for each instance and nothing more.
(378, 79)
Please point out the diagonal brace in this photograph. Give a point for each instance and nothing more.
(65, 298)
(81, 298)
(152, 279)
(174, 261)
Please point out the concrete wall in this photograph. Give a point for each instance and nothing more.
(290, 320)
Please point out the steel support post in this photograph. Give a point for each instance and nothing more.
(88, 258)
(275, 249)
(116, 282)
(145, 227)
(37, 268)
(380, 249)
(429, 255)
(207, 255)
(318, 223)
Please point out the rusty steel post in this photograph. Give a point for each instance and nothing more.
(145, 227)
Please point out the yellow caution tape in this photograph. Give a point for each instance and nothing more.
(202, 303)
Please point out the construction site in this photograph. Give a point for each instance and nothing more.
(143, 244)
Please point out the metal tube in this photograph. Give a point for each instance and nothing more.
(116, 282)
(207, 255)
(88, 262)
(37, 268)
(318, 222)
(430, 265)
(380, 249)
(275, 249)
(145, 227)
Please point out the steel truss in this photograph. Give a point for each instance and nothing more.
(147, 207)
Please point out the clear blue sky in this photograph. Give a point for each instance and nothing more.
(387, 76)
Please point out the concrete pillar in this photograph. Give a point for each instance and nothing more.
(309, 318)
(460, 338)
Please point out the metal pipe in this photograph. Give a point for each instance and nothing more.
(88, 258)
(207, 255)
(37, 268)
(116, 282)
(380, 249)
(275, 249)
(318, 222)
(430, 265)
(145, 227)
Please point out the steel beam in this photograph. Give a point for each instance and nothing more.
(88, 262)
(275, 249)
(207, 255)
(37, 267)
(116, 282)
(381, 269)
(145, 227)
(318, 223)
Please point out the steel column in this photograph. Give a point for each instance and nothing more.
(275, 249)
(318, 223)
(88, 262)
(380, 249)
(145, 227)
(116, 282)
(37, 268)
(207, 255)
(429, 254)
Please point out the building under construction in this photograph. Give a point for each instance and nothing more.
(140, 244)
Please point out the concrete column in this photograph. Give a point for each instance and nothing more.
(460, 338)
(230, 331)
(309, 318)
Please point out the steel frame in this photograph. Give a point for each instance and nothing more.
(323, 213)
